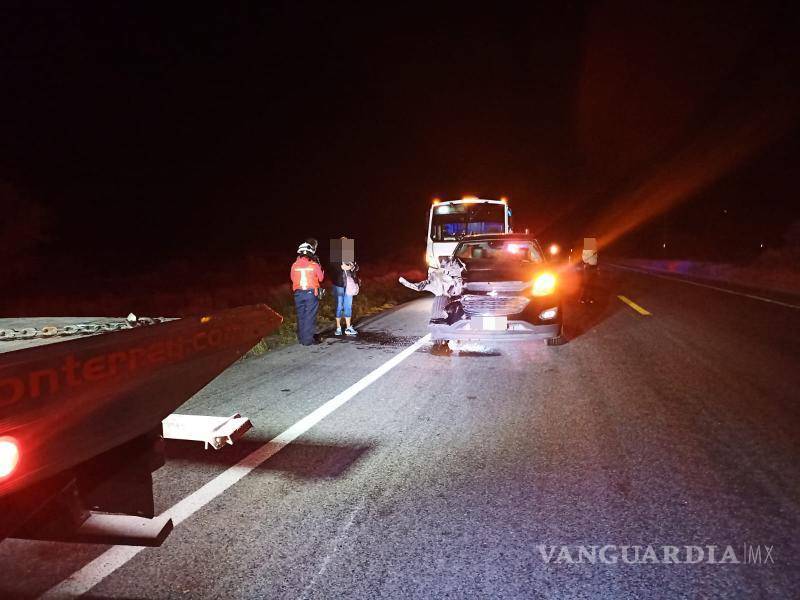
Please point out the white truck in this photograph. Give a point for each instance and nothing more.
(451, 220)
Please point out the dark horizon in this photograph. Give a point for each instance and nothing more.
(135, 136)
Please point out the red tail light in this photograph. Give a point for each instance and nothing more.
(9, 456)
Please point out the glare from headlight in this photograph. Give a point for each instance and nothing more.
(548, 314)
(544, 284)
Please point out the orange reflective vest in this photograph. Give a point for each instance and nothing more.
(306, 275)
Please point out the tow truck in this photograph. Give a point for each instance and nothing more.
(83, 421)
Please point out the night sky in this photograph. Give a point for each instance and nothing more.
(142, 132)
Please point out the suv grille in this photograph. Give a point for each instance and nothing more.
(493, 306)
(497, 286)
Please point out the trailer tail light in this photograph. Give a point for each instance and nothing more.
(544, 284)
(9, 456)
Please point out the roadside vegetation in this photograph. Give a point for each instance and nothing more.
(774, 270)
(772, 266)
(378, 293)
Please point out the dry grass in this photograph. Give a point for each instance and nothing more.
(184, 288)
(774, 270)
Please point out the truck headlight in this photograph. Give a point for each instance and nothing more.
(544, 284)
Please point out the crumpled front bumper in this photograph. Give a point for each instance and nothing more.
(470, 330)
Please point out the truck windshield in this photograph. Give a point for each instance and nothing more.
(451, 222)
(500, 250)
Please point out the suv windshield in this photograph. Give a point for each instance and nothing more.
(453, 221)
(524, 251)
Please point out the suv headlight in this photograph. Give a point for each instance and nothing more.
(544, 284)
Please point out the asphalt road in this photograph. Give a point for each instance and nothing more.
(456, 475)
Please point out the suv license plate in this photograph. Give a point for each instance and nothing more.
(494, 323)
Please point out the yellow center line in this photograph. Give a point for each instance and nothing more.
(634, 306)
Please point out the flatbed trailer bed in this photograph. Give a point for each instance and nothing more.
(85, 413)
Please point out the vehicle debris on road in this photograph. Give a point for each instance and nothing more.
(445, 283)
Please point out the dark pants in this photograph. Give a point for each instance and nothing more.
(588, 283)
(306, 303)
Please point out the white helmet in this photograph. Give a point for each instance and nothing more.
(305, 248)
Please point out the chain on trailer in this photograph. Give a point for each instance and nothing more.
(88, 328)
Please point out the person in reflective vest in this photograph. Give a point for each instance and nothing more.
(306, 275)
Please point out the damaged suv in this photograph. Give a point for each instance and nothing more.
(508, 293)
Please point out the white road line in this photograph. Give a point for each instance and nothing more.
(705, 285)
(112, 559)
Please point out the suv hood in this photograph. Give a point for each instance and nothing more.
(491, 270)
